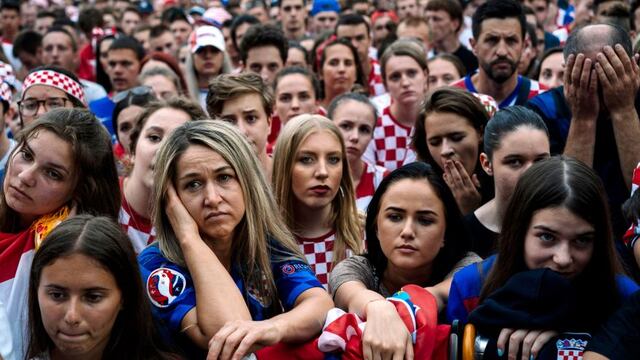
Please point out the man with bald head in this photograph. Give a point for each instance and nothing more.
(594, 117)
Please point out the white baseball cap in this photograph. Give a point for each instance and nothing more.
(206, 36)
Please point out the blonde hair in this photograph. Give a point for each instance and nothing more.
(261, 234)
(191, 75)
(345, 214)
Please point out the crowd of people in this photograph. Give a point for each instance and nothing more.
(442, 179)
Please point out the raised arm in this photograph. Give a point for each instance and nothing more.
(218, 300)
(620, 79)
(580, 92)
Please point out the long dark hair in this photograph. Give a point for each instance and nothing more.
(360, 75)
(97, 191)
(455, 236)
(561, 182)
(462, 103)
(101, 239)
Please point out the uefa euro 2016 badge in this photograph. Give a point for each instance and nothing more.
(570, 349)
(164, 285)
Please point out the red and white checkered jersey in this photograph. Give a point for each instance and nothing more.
(369, 182)
(319, 254)
(139, 229)
(390, 144)
(376, 85)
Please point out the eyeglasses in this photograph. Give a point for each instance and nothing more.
(29, 107)
(136, 91)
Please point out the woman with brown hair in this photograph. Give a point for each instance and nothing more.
(557, 219)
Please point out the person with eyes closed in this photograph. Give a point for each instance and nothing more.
(514, 139)
(339, 69)
(448, 135)
(315, 193)
(557, 219)
(356, 118)
(85, 295)
(414, 236)
(405, 73)
(62, 165)
(154, 124)
(237, 281)
(245, 101)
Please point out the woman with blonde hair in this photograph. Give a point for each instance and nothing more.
(207, 59)
(224, 263)
(313, 187)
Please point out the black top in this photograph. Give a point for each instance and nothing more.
(469, 60)
(484, 242)
(620, 335)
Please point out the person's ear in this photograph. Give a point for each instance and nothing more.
(472, 42)
(486, 164)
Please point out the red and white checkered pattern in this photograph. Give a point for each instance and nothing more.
(319, 254)
(5, 92)
(56, 80)
(139, 229)
(369, 181)
(569, 354)
(376, 85)
(6, 71)
(390, 144)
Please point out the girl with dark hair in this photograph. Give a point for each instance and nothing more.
(448, 135)
(124, 117)
(514, 139)
(558, 219)
(356, 118)
(86, 297)
(339, 70)
(153, 126)
(414, 236)
(101, 59)
(62, 164)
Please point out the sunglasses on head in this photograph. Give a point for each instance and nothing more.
(136, 91)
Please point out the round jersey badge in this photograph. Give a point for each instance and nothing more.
(164, 285)
(288, 269)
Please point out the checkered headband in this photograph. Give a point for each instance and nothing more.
(56, 80)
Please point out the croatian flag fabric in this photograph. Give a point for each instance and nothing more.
(341, 337)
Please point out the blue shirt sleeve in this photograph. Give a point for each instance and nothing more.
(292, 276)
(466, 286)
(168, 286)
(626, 286)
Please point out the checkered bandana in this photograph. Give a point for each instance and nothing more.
(5, 92)
(57, 80)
